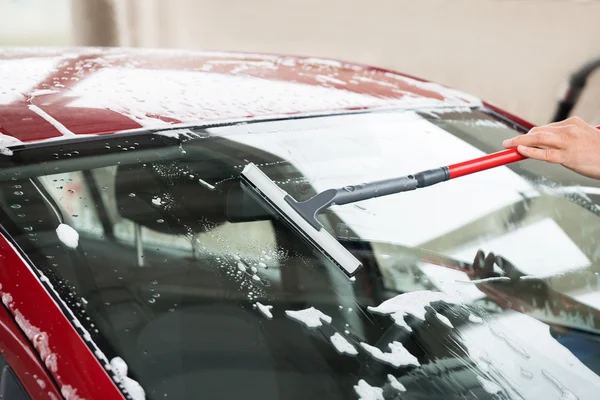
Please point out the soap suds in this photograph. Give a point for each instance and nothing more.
(398, 355)
(134, 389)
(311, 317)
(565, 394)
(157, 201)
(475, 319)
(489, 386)
(69, 393)
(413, 303)
(396, 384)
(206, 184)
(36, 336)
(368, 392)
(342, 345)
(241, 267)
(59, 127)
(265, 310)
(444, 319)
(42, 92)
(68, 235)
(5, 151)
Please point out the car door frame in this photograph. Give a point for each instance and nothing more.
(37, 336)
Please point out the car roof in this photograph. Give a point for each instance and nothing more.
(56, 93)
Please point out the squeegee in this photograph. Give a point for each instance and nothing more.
(302, 216)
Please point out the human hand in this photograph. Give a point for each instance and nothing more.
(572, 143)
(483, 266)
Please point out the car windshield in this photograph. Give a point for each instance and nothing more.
(150, 240)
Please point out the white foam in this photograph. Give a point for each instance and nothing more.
(275, 194)
(368, 392)
(342, 345)
(59, 127)
(412, 303)
(311, 317)
(5, 151)
(265, 310)
(69, 393)
(396, 384)
(241, 267)
(157, 201)
(135, 390)
(398, 355)
(206, 184)
(475, 319)
(42, 92)
(444, 319)
(489, 386)
(68, 235)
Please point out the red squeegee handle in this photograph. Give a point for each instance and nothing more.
(486, 162)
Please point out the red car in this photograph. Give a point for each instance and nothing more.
(132, 265)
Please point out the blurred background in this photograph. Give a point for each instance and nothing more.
(516, 54)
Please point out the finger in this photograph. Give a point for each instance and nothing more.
(509, 269)
(488, 266)
(547, 154)
(537, 138)
(478, 261)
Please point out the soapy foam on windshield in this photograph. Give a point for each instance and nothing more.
(342, 345)
(67, 235)
(157, 201)
(206, 184)
(564, 393)
(368, 392)
(475, 319)
(311, 317)
(135, 390)
(444, 319)
(510, 342)
(265, 310)
(489, 386)
(5, 151)
(412, 303)
(398, 355)
(396, 384)
(241, 266)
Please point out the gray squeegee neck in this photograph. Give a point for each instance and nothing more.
(310, 208)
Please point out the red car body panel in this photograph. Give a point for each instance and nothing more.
(23, 359)
(61, 348)
(54, 92)
(49, 94)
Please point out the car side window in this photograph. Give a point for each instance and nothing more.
(10, 386)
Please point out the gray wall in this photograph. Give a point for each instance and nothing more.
(514, 53)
